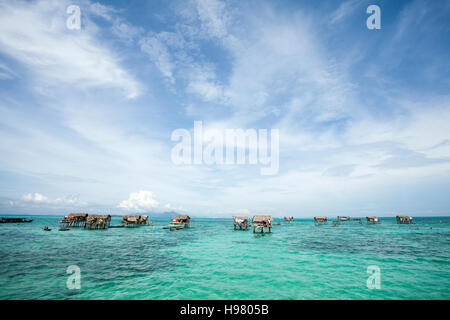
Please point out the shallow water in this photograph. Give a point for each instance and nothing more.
(212, 261)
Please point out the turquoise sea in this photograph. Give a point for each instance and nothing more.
(212, 261)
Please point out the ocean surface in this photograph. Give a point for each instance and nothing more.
(212, 261)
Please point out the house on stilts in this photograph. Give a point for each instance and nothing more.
(132, 221)
(98, 221)
(320, 220)
(262, 223)
(240, 222)
(74, 220)
(179, 222)
(372, 219)
(404, 219)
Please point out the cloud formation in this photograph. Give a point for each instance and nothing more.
(38, 199)
(363, 115)
(141, 201)
(35, 34)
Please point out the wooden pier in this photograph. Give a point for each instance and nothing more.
(261, 223)
(240, 222)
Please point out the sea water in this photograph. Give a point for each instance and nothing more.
(210, 260)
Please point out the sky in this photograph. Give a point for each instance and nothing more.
(87, 115)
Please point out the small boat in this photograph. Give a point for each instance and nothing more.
(15, 220)
(47, 229)
(64, 229)
(174, 226)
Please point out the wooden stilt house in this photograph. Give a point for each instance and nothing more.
(320, 220)
(240, 222)
(98, 221)
(74, 220)
(372, 219)
(131, 221)
(262, 223)
(404, 219)
(181, 220)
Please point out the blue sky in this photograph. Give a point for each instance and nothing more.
(86, 115)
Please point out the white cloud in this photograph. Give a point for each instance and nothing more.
(213, 16)
(106, 12)
(36, 198)
(6, 72)
(159, 54)
(272, 71)
(345, 9)
(39, 199)
(140, 201)
(35, 34)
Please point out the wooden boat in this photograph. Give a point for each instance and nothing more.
(15, 220)
(174, 226)
(47, 229)
(64, 229)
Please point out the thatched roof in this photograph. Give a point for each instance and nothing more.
(404, 218)
(77, 215)
(134, 218)
(240, 218)
(262, 218)
(128, 216)
(99, 216)
(181, 217)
